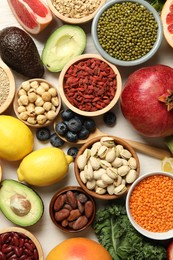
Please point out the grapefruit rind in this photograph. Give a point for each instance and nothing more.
(165, 11)
(36, 23)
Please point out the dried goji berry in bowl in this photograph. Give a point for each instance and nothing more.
(89, 85)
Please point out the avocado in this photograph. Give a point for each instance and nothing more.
(19, 203)
(65, 43)
(20, 53)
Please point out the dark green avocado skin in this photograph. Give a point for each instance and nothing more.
(20, 53)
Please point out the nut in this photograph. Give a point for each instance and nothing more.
(105, 166)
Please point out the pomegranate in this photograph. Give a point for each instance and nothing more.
(147, 100)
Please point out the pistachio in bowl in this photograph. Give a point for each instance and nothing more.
(106, 166)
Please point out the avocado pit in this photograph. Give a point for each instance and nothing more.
(20, 205)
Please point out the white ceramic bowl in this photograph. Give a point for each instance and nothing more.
(146, 233)
(123, 62)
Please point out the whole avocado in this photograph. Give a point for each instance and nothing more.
(20, 53)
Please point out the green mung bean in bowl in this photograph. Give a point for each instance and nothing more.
(127, 32)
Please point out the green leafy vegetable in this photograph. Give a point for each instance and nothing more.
(157, 4)
(115, 232)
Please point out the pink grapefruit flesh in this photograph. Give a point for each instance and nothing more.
(33, 15)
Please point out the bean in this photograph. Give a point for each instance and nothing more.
(70, 217)
(6, 248)
(35, 254)
(15, 246)
(28, 246)
(2, 256)
(18, 251)
(21, 242)
(15, 240)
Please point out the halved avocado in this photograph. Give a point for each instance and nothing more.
(19, 203)
(65, 43)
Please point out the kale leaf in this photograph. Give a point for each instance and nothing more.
(115, 232)
(157, 4)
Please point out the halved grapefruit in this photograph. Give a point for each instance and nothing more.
(167, 21)
(33, 15)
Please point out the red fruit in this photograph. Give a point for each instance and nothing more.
(33, 15)
(167, 21)
(170, 251)
(147, 100)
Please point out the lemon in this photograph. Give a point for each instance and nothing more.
(16, 138)
(44, 167)
(167, 164)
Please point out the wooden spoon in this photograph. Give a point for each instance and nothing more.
(152, 151)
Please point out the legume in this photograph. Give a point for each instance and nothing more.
(37, 102)
(127, 31)
(15, 245)
(4, 86)
(151, 203)
(90, 85)
(73, 210)
(76, 8)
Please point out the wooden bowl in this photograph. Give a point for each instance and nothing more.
(26, 233)
(75, 190)
(88, 145)
(99, 111)
(7, 87)
(45, 103)
(70, 20)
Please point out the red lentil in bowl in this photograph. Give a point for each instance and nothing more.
(149, 205)
(89, 85)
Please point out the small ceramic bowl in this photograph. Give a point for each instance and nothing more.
(7, 87)
(106, 177)
(37, 103)
(72, 209)
(112, 57)
(19, 234)
(95, 97)
(150, 233)
(83, 14)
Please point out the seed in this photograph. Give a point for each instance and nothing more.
(76, 8)
(4, 86)
(127, 31)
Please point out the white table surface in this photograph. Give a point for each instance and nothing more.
(46, 232)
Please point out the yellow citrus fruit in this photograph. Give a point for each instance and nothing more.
(44, 167)
(167, 164)
(16, 138)
(79, 248)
